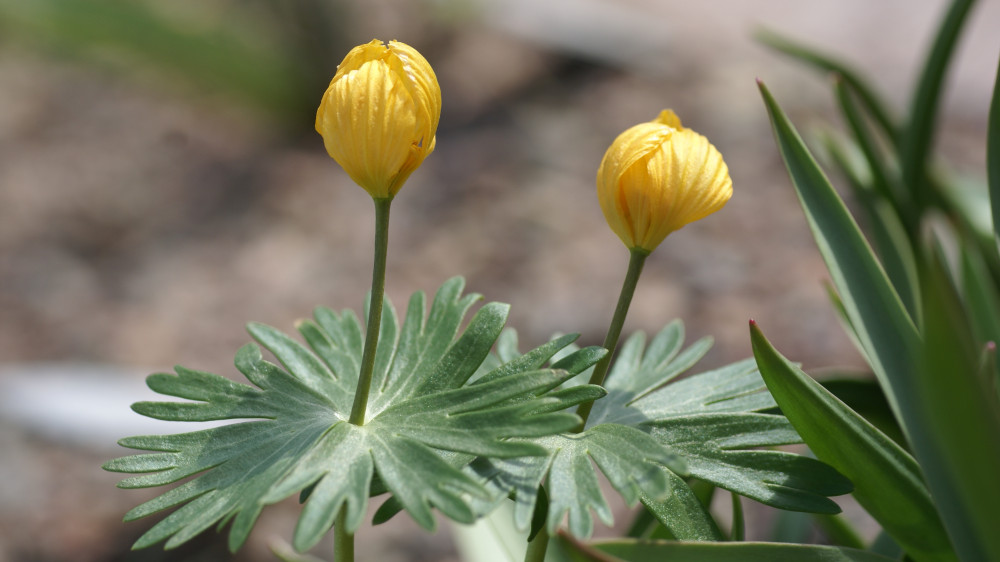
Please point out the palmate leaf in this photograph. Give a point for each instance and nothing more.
(421, 408)
(711, 419)
(700, 425)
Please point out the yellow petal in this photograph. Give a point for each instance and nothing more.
(669, 118)
(379, 115)
(657, 177)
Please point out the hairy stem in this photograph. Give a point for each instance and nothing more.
(374, 312)
(538, 546)
(343, 542)
(635, 263)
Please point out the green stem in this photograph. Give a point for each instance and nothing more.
(343, 541)
(635, 262)
(374, 312)
(538, 546)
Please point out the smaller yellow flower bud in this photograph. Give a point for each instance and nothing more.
(657, 177)
(379, 116)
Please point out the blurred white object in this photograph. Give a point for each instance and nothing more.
(80, 404)
(611, 32)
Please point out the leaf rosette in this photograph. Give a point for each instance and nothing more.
(652, 429)
(426, 418)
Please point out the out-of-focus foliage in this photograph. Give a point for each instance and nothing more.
(268, 54)
(925, 325)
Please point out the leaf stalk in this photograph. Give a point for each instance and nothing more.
(343, 541)
(538, 546)
(374, 312)
(637, 259)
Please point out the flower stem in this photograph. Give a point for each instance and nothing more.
(538, 546)
(374, 312)
(635, 263)
(343, 541)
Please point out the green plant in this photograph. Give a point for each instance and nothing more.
(434, 416)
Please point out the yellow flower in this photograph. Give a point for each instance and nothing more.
(657, 177)
(379, 115)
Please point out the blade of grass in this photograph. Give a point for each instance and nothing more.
(887, 232)
(980, 295)
(993, 153)
(839, 531)
(881, 181)
(915, 144)
(872, 101)
(881, 324)
(966, 422)
(674, 551)
(888, 482)
(896, 353)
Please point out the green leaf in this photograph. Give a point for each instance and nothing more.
(915, 144)
(657, 551)
(993, 153)
(299, 437)
(707, 419)
(883, 183)
(872, 101)
(887, 481)
(714, 448)
(652, 420)
(633, 463)
(864, 396)
(982, 299)
(886, 229)
(899, 358)
(965, 422)
(738, 532)
(682, 515)
(883, 328)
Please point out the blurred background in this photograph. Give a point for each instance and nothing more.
(161, 184)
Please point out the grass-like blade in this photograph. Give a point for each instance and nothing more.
(880, 321)
(894, 348)
(887, 480)
(884, 226)
(993, 153)
(965, 426)
(915, 144)
(872, 101)
(675, 551)
(882, 181)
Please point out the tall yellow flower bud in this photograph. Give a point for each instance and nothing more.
(379, 115)
(657, 177)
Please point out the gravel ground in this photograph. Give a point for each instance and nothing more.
(142, 225)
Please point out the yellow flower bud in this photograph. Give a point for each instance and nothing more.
(657, 177)
(379, 115)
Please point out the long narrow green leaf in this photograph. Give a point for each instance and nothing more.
(839, 531)
(887, 480)
(886, 229)
(993, 153)
(981, 296)
(883, 328)
(871, 100)
(881, 180)
(892, 344)
(915, 144)
(965, 426)
(659, 551)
